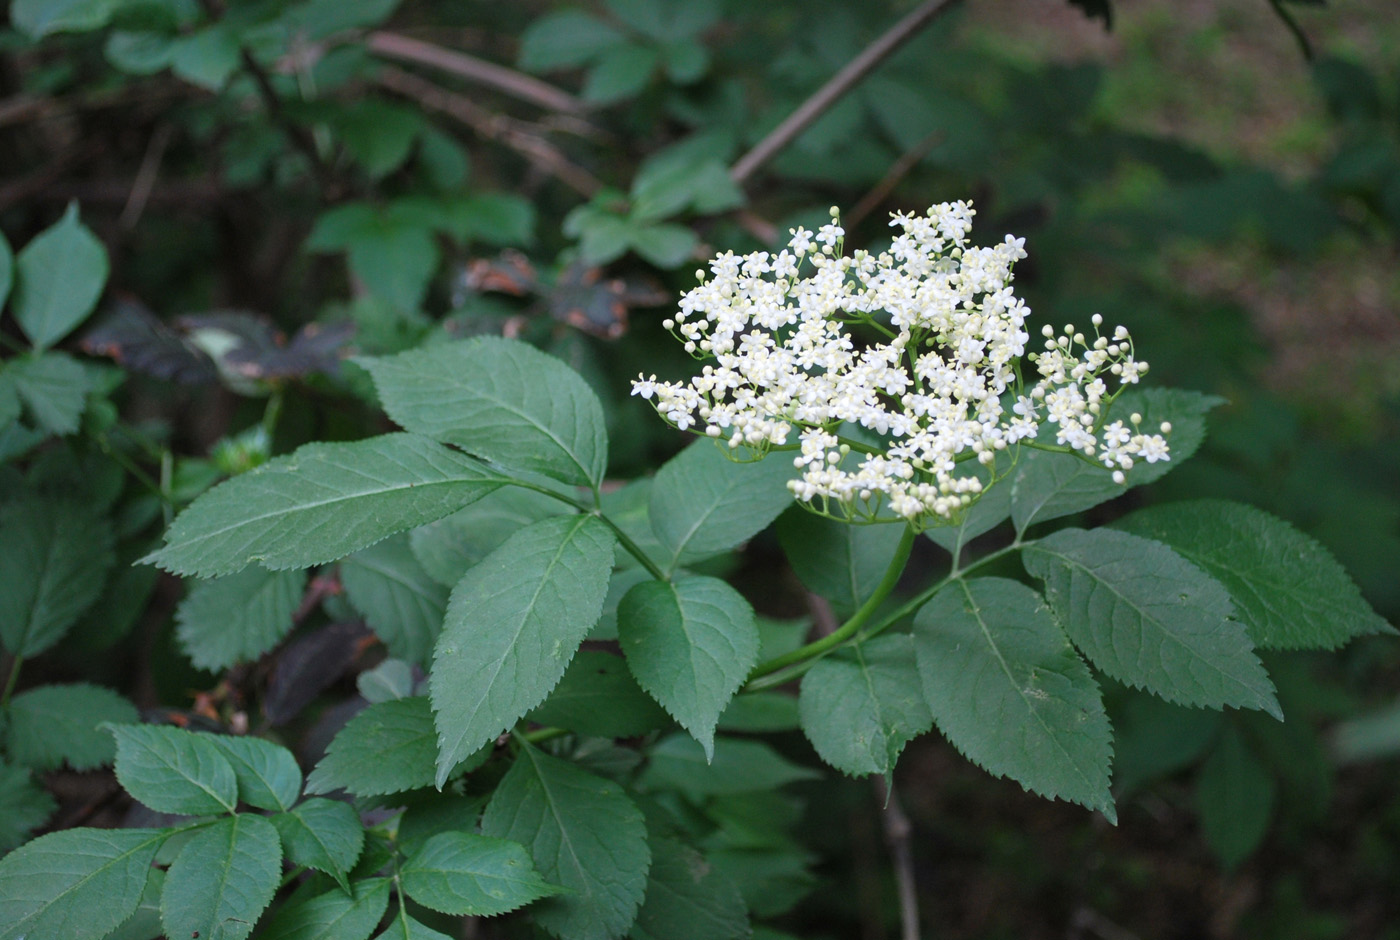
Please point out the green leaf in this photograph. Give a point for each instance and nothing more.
(688, 899)
(1153, 739)
(861, 705)
(691, 644)
(56, 724)
(584, 834)
(991, 510)
(598, 696)
(222, 880)
(9, 400)
(464, 873)
(24, 805)
(334, 915)
(501, 400)
(667, 246)
(1048, 485)
(239, 617)
(59, 276)
(53, 387)
(1151, 619)
(268, 775)
(138, 52)
(448, 547)
(703, 503)
(207, 57)
(391, 679)
(319, 504)
(404, 927)
(379, 135)
(502, 219)
(761, 711)
(174, 771)
(386, 748)
(400, 601)
(322, 834)
(430, 813)
(1289, 590)
(78, 884)
(565, 40)
(841, 562)
(513, 623)
(739, 766)
(1008, 690)
(40, 18)
(623, 71)
(52, 569)
(1235, 797)
(7, 269)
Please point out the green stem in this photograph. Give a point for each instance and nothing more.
(848, 629)
(130, 466)
(272, 413)
(922, 598)
(632, 547)
(11, 681)
(543, 734)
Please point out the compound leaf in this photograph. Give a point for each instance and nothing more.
(322, 834)
(237, 618)
(268, 775)
(321, 503)
(172, 770)
(221, 881)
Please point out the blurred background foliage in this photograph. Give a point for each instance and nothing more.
(277, 184)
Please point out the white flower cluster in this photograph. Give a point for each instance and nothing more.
(945, 339)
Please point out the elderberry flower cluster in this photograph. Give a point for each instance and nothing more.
(934, 372)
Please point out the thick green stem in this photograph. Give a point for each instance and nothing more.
(848, 629)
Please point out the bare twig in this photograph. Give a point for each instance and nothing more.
(504, 129)
(145, 177)
(507, 81)
(897, 832)
(840, 83)
(897, 171)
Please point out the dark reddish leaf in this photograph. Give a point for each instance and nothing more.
(309, 665)
(510, 273)
(138, 340)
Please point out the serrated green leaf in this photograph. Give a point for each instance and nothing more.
(464, 873)
(621, 72)
(584, 834)
(58, 278)
(1235, 797)
(841, 562)
(222, 880)
(172, 770)
(52, 569)
(24, 805)
(1149, 618)
(404, 927)
(390, 680)
(992, 508)
(386, 748)
(268, 775)
(399, 600)
(53, 387)
(321, 503)
(565, 40)
(1008, 690)
(666, 246)
(57, 724)
(334, 915)
(691, 644)
(1048, 485)
(448, 547)
(1289, 590)
(761, 711)
(513, 624)
(861, 705)
(78, 884)
(429, 813)
(502, 400)
(739, 766)
(379, 135)
(144, 924)
(703, 503)
(688, 899)
(322, 834)
(237, 618)
(598, 696)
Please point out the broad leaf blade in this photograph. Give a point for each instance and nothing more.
(1289, 590)
(52, 569)
(334, 915)
(78, 884)
(237, 618)
(24, 805)
(1235, 796)
(268, 775)
(690, 644)
(861, 705)
(402, 604)
(221, 881)
(59, 276)
(321, 503)
(1008, 690)
(57, 724)
(448, 547)
(688, 899)
(53, 387)
(583, 833)
(841, 562)
(322, 834)
(702, 503)
(599, 697)
(1151, 619)
(513, 623)
(174, 771)
(499, 399)
(386, 748)
(464, 873)
(677, 762)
